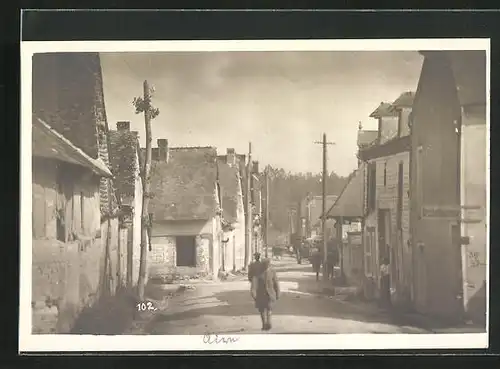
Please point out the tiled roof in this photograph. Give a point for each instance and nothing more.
(383, 110)
(123, 156)
(350, 200)
(404, 100)
(365, 137)
(67, 93)
(184, 187)
(48, 143)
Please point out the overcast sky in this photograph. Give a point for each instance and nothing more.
(280, 101)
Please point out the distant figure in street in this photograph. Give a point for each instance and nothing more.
(331, 261)
(254, 267)
(265, 291)
(316, 260)
(299, 251)
(385, 283)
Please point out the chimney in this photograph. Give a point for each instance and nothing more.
(162, 149)
(123, 126)
(231, 157)
(255, 167)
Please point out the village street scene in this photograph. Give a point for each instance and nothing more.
(194, 193)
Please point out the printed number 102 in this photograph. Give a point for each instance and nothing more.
(143, 306)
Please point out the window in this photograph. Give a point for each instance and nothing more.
(369, 246)
(400, 197)
(82, 211)
(419, 175)
(60, 224)
(385, 174)
(372, 186)
(61, 229)
(388, 129)
(404, 122)
(185, 247)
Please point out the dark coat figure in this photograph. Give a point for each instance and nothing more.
(385, 283)
(254, 267)
(265, 291)
(332, 258)
(316, 260)
(330, 263)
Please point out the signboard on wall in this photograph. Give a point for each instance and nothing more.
(473, 214)
(355, 238)
(441, 212)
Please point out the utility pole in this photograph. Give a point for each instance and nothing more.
(266, 219)
(143, 105)
(323, 205)
(248, 228)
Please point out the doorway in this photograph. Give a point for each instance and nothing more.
(384, 232)
(384, 254)
(185, 247)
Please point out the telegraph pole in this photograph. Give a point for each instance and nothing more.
(266, 217)
(323, 205)
(248, 228)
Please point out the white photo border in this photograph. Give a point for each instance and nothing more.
(29, 342)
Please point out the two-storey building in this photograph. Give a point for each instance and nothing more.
(386, 199)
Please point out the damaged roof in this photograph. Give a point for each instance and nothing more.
(50, 144)
(405, 100)
(383, 110)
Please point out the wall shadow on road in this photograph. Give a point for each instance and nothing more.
(240, 303)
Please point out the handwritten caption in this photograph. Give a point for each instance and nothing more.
(215, 339)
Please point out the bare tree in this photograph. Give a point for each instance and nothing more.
(143, 105)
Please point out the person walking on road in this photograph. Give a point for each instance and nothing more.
(265, 291)
(316, 262)
(385, 283)
(253, 268)
(331, 261)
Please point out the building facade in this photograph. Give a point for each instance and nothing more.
(231, 186)
(75, 257)
(448, 185)
(386, 230)
(186, 232)
(125, 153)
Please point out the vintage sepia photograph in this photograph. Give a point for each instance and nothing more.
(228, 195)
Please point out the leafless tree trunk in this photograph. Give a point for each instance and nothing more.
(144, 105)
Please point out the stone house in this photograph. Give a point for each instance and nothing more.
(66, 228)
(185, 211)
(125, 153)
(448, 184)
(386, 230)
(75, 230)
(231, 187)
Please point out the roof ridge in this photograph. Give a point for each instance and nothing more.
(192, 147)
